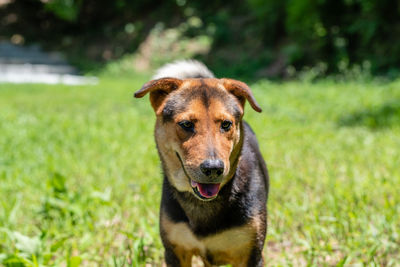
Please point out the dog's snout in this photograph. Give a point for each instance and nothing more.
(212, 167)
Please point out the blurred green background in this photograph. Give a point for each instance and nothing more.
(80, 178)
(255, 38)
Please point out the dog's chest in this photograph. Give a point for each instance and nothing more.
(232, 245)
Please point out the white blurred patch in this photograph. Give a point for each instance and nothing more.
(47, 79)
(32, 73)
(184, 69)
(30, 64)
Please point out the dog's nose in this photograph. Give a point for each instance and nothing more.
(212, 167)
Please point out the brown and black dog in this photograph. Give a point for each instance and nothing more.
(215, 185)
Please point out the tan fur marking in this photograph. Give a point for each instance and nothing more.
(257, 224)
(184, 241)
(168, 143)
(230, 246)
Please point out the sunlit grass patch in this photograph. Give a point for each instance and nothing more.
(80, 178)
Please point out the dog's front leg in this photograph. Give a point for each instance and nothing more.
(177, 258)
(170, 258)
(256, 258)
(258, 263)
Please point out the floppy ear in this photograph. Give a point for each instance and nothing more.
(242, 92)
(158, 89)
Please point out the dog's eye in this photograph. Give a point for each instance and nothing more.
(187, 125)
(226, 125)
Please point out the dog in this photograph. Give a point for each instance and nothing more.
(216, 184)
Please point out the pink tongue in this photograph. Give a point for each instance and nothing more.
(208, 190)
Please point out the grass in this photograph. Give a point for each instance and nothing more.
(80, 178)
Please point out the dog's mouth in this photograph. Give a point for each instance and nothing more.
(205, 191)
(201, 190)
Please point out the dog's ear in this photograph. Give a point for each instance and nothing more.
(158, 89)
(242, 92)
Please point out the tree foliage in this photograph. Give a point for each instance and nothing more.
(336, 33)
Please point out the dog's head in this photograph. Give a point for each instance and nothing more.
(198, 130)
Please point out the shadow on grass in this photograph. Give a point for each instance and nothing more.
(386, 115)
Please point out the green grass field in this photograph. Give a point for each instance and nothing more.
(80, 178)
